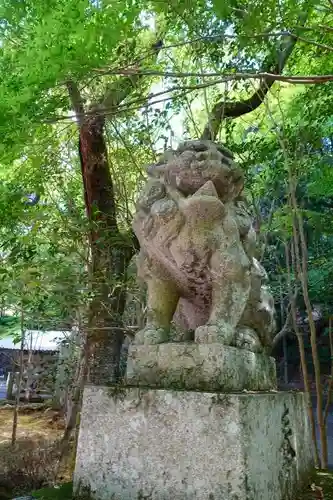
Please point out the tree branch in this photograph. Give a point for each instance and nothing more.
(223, 77)
(284, 330)
(76, 99)
(286, 327)
(224, 109)
(119, 90)
(114, 94)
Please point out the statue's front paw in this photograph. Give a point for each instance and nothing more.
(150, 336)
(246, 338)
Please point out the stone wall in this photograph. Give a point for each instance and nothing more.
(39, 370)
(7, 360)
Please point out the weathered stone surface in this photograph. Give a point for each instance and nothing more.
(169, 445)
(205, 367)
(197, 251)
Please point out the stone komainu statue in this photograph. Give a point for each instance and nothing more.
(197, 254)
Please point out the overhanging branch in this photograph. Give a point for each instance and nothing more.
(224, 109)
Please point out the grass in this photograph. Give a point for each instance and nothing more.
(64, 492)
(323, 487)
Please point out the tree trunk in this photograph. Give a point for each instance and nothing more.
(74, 407)
(111, 251)
(18, 385)
(304, 367)
(300, 248)
(110, 254)
(330, 384)
(284, 340)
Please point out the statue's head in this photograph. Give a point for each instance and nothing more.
(194, 163)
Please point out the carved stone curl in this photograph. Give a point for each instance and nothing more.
(197, 254)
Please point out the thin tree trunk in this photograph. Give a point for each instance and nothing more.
(18, 391)
(330, 384)
(300, 340)
(301, 263)
(284, 341)
(76, 401)
(80, 378)
(285, 360)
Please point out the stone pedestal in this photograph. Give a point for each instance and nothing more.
(199, 367)
(182, 445)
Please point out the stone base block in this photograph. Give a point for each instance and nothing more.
(169, 445)
(203, 367)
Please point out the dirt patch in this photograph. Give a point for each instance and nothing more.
(39, 424)
(34, 425)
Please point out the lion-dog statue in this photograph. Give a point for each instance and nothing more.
(197, 252)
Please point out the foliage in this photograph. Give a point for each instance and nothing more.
(45, 256)
(295, 131)
(202, 49)
(10, 326)
(42, 266)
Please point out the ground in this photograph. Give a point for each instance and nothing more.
(320, 480)
(63, 492)
(321, 486)
(34, 422)
(31, 463)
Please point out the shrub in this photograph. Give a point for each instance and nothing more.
(28, 466)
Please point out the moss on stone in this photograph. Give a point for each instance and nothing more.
(117, 391)
(222, 400)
